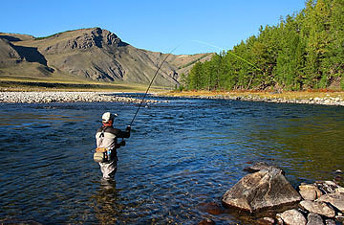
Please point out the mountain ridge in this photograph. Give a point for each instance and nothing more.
(93, 54)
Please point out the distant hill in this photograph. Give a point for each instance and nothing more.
(91, 54)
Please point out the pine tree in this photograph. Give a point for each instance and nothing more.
(335, 56)
(195, 77)
(318, 23)
(306, 50)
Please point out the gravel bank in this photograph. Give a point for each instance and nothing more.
(317, 100)
(49, 97)
(321, 100)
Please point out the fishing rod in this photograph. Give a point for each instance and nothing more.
(230, 52)
(150, 84)
(122, 143)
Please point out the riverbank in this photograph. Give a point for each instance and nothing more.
(49, 97)
(303, 97)
(311, 97)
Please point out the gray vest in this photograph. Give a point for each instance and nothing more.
(106, 140)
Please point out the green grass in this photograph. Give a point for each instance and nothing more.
(25, 84)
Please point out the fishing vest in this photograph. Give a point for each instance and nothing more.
(106, 145)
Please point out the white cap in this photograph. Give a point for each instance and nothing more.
(108, 116)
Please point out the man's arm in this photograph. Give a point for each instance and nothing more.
(123, 134)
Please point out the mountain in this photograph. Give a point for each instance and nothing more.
(92, 54)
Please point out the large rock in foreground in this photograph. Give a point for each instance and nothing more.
(263, 189)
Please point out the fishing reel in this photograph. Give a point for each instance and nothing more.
(122, 143)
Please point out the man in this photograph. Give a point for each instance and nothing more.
(106, 138)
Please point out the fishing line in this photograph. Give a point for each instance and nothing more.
(156, 73)
(230, 52)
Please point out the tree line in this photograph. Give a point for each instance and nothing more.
(303, 51)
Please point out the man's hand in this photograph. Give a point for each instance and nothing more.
(128, 129)
(122, 143)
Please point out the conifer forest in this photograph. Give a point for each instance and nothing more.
(302, 51)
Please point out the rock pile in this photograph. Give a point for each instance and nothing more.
(266, 188)
(49, 97)
(323, 203)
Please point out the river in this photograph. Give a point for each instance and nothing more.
(182, 154)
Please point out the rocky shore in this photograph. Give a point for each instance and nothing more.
(265, 189)
(49, 97)
(267, 198)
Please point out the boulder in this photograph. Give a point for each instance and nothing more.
(314, 219)
(309, 191)
(320, 208)
(292, 217)
(336, 199)
(260, 190)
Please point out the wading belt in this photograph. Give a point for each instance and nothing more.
(102, 149)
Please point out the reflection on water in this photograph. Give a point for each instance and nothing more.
(106, 204)
(182, 156)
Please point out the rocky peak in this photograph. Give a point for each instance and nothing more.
(97, 37)
(105, 37)
(84, 39)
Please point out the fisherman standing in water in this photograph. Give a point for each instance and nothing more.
(106, 138)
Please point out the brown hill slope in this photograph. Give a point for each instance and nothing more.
(88, 54)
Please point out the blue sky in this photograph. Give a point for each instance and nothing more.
(193, 26)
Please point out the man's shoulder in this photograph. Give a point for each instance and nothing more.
(112, 130)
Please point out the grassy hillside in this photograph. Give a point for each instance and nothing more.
(87, 55)
(23, 84)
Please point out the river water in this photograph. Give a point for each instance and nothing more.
(182, 156)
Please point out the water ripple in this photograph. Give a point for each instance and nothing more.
(181, 156)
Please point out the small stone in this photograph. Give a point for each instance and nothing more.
(320, 208)
(211, 208)
(309, 192)
(293, 217)
(279, 219)
(266, 221)
(340, 190)
(330, 222)
(339, 172)
(314, 219)
(327, 186)
(330, 183)
(340, 218)
(256, 167)
(336, 199)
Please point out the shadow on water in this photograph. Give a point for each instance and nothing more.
(181, 158)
